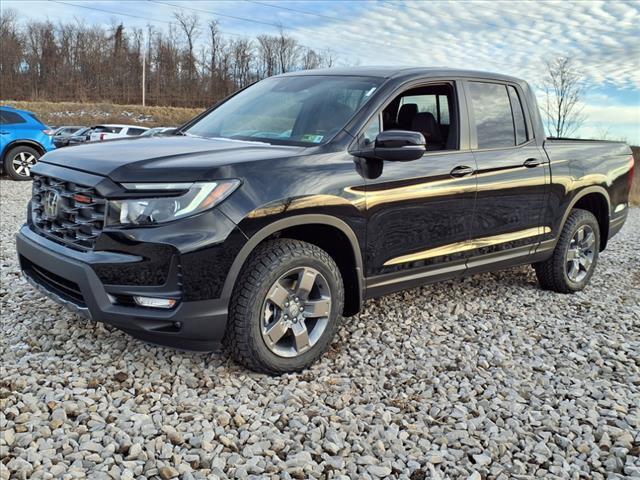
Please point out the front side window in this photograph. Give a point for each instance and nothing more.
(429, 110)
(492, 112)
(298, 110)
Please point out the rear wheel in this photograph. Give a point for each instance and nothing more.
(575, 257)
(19, 160)
(286, 307)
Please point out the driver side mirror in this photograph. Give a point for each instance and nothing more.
(396, 146)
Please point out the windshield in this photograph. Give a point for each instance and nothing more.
(302, 110)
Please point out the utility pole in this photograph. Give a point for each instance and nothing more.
(145, 49)
(144, 83)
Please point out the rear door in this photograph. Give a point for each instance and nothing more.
(419, 212)
(10, 124)
(512, 175)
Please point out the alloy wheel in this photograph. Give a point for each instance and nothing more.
(22, 163)
(296, 312)
(581, 253)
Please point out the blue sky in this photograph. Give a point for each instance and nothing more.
(512, 37)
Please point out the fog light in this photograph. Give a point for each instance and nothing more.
(154, 302)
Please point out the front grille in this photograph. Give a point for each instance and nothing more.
(76, 219)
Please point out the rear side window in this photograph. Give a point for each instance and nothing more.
(518, 116)
(135, 131)
(493, 117)
(10, 118)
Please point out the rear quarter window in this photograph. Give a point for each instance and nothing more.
(10, 118)
(135, 131)
(518, 116)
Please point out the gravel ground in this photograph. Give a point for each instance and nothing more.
(488, 377)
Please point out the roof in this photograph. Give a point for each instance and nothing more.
(14, 109)
(120, 125)
(400, 71)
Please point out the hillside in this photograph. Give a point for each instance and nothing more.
(70, 113)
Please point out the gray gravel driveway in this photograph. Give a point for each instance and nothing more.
(487, 377)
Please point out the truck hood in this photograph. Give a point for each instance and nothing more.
(159, 159)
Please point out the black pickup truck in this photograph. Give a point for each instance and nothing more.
(268, 217)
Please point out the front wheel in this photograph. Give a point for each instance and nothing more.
(19, 161)
(575, 257)
(285, 308)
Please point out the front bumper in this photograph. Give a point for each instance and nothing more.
(68, 277)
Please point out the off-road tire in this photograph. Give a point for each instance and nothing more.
(552, 273)
(243, 337)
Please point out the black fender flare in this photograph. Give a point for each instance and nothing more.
(583, 193)
(278, 225)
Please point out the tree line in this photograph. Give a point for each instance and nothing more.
(189, 64)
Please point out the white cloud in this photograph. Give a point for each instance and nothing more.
(516, 38)
(511, 37)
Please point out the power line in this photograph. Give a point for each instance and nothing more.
(218, 14)
(168, 22)
(112, 12)
(278, 25)
(319, 15)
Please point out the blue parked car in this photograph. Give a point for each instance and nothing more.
(23, 140)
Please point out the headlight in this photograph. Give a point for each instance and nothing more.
(151, 211)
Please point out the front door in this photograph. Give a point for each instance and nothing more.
(419, 213)
(512, 175)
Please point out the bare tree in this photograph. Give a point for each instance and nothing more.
(327, 58)
(267, 55)
(11, 55)
(310, 59)
(84, 62)
(288, 52)
(189, 26)
(241, 58)
(564, 90)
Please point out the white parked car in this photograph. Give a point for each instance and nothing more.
(111, 131)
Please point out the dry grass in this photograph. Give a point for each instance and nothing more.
(635, 187)
(71, 113)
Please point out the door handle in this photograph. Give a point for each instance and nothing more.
(461, 171)
(532, 162)
(4, 132)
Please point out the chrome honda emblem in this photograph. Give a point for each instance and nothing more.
(51, 204)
